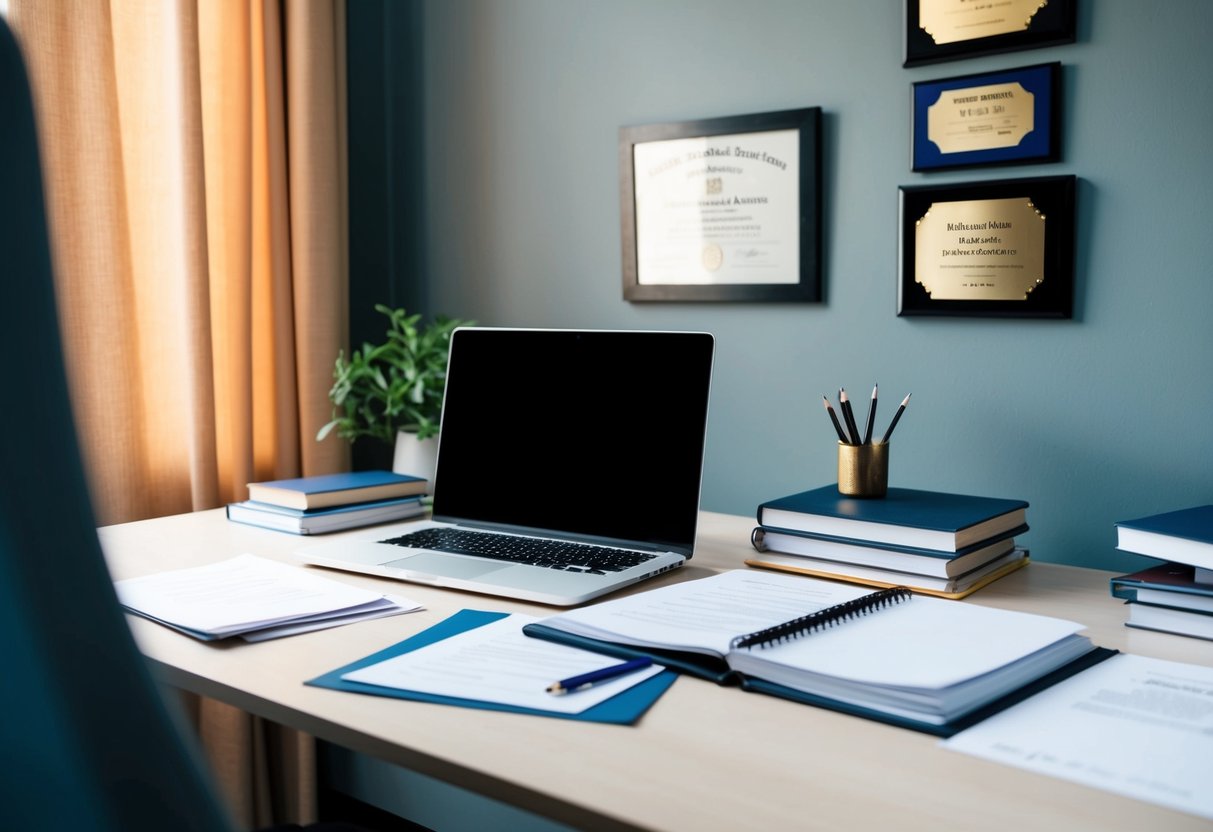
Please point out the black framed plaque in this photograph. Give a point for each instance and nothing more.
(991, 118)
(989, 249)
(946, 30)
(722, 209)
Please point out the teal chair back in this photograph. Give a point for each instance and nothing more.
(87, 739)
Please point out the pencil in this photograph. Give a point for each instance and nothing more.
(896, 416)
(867, 431)
(842, 437)
(848, 416)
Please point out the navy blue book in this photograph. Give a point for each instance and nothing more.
(912, 559)
(1184, 536)
(336, 489)
(904, 517)
(1165, 585)
(321, 520)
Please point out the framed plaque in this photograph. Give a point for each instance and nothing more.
(992, 249)
(945, 30)
(994, 118)
(722, 209)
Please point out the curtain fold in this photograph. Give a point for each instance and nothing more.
(194, 158)
(196, 182)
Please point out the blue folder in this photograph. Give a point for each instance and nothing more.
(623, 709)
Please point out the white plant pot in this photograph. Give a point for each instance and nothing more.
(416, 457)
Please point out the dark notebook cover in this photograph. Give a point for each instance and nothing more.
(1168, 577)
(904, 516)
(935, 510)
(715, 670)
(1189, 523)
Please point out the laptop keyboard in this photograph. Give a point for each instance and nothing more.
(553, 554)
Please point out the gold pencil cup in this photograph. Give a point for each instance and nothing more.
(863, 470)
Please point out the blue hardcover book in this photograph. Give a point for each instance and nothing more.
(1184, 536)
(904, 517)
(336, 489)
(933, 562)
(321, 520)
(1165, 585)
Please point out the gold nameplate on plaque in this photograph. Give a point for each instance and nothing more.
(950, 21)
(981, 118)
(980, 249)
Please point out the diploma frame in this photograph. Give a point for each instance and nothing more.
(1052, 24)
(803, 284)
(1053, 196)
(1041, 144)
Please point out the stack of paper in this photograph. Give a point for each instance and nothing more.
(253, 598)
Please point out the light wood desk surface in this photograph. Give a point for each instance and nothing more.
(703, 758)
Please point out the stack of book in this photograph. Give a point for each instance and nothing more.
(1175, 596)
(329, 503)
(935, 543)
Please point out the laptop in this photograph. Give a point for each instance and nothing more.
(569, 466)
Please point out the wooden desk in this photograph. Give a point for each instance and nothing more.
(703, 758)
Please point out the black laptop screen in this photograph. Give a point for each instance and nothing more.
(596, 434)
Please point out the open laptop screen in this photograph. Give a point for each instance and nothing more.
(592, 433)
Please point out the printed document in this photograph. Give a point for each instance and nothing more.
(497, 663)
(1131, 725)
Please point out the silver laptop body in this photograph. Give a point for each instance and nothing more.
(584, 436)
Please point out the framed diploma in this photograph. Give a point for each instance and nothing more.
(945, 30)
(995, 118)
(988, 249)
(723, 209)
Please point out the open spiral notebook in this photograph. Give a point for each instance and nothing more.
(925, 663)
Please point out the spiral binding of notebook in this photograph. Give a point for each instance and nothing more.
(821, 619)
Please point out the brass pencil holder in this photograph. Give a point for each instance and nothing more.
(863, 470)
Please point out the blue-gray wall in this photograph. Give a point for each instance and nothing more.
(1095, 419)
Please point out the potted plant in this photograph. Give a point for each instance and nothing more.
(392, 391)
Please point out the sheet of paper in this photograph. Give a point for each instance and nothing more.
(391, 605)
(240, 593)
(497, 663)
(1131, 725)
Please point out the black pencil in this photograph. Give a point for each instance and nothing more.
(896, 416)
(833, 418)
(867, 431)
(848, 416)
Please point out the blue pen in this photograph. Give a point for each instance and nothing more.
(585, 680)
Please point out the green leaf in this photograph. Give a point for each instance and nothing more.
(397, 384)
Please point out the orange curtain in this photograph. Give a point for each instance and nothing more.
(199, 237)
(194, 159)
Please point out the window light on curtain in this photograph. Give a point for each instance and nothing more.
(194, 167)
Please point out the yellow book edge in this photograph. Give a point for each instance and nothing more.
(938, 593)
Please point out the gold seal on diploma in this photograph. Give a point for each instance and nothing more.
(980, 249)
(713, 257)
(950, 21)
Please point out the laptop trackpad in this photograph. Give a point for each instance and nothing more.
(448, 567)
